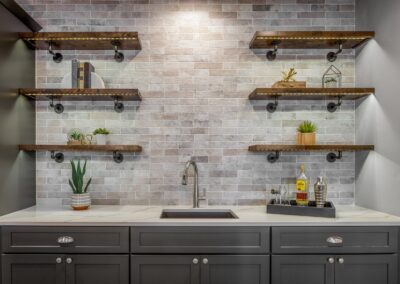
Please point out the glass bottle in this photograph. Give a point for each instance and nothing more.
(302, 185)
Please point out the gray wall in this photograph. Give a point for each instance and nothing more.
(378, 117)
(17, 117)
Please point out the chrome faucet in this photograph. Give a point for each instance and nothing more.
(196, 195)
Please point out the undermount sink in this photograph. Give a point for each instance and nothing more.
(198, 214)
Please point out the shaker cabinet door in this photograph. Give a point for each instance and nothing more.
(97, 269)
(235, 269)
(33, 269)
(302, 269)
(165, 269)
(366, 269)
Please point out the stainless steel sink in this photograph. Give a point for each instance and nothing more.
(198, 214)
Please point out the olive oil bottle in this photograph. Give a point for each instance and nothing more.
(302, 185)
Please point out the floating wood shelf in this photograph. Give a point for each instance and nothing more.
(83, 40)
(309, 39)
(58, 156)
(275, 149)
(83, 94)
(305, 148)
(83, 148)
(310, 93)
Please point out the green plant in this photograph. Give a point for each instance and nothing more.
(307, 127)
(101, 131)
(78, 174)
(75, 135)
(330, 80)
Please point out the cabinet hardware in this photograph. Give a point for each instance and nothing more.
(64, 240)
(331, 260)
(335, 240)
(195, 261)
(205, 261)
(69, 260)
(341, 260)
(58, 260)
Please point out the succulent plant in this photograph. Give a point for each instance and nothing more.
(75, 135)
(101, 131)
(307, 127)
(78, 173)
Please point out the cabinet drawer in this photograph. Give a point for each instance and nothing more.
(334, 240)
(76, 239)
(254, 240)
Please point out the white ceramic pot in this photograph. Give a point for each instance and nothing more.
(80, 201)
(101, 139)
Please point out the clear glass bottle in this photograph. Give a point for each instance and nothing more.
(302, 185)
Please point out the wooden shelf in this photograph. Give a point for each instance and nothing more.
(83, 148)
(309, 39)
(83, 94)
(306, 148)
(83, 40)
(310, 93)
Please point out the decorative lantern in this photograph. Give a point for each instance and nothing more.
(332, 78)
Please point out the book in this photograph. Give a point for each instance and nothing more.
(81, 75)
(74, 73)
(88, 69)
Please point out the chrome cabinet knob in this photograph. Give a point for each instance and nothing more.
(58, 260)
(341, 260)
(335, 240)
(69, 260)
(195, 261)
(64, 240)
(331, 260)
(205, 260)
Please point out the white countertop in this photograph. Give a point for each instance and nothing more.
(108, 215)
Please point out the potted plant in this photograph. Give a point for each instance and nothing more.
(75, 137)
(80, 199)
(306, 133)
(101, 136)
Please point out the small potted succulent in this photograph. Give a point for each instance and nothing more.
(75, 137)
(306, 133)
(80, 199)
(101, 136)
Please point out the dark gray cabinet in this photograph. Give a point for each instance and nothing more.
(325, 269)
(200, 269)
(165, 269)
(65, 269)
(366, 269)
(34, 269)
(302, 269)
(235, 269)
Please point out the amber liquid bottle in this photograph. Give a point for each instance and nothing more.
(302, 185)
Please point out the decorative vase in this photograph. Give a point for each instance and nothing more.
(306, 138)
(80, 201)
(101, 139)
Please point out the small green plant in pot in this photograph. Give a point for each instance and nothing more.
(80, 199)
(101, 136)
(306, 133)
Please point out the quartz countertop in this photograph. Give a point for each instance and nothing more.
(112, 215)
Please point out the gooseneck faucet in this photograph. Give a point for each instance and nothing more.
(196, 195)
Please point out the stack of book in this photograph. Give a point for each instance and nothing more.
(81, 74)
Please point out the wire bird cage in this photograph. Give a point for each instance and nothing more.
(332, 78)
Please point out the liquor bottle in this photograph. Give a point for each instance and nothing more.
(302, 188)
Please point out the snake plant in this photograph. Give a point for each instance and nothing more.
(78, 174)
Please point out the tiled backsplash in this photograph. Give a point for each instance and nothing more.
(195, 73)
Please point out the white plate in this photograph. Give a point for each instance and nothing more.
(97, 82)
